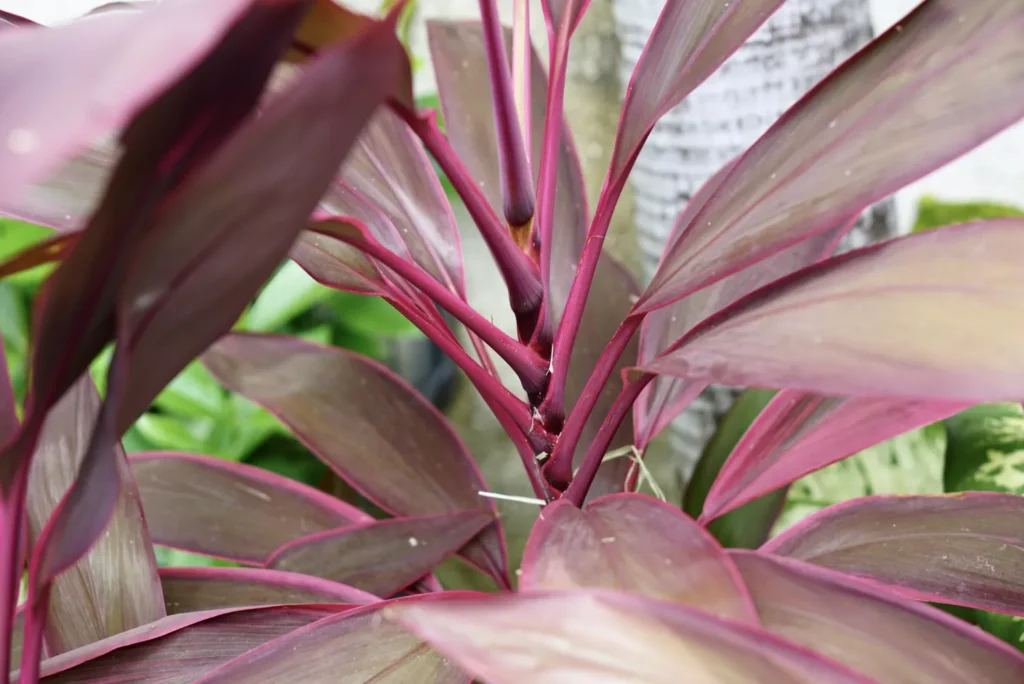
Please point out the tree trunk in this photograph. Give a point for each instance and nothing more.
(801, 43)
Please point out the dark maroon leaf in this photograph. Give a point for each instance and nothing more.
(632, 542)
(354, 647)
(231, 510)
(366, 424)
(115, 586)
(385, 556)
(188, 590)
(886, 638)
(180, 647)
(54, 249)
(963, 549)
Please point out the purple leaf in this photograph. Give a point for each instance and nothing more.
(337, 264)
(464, 88)
(351, 648)
(962, 549)
(633, 543)
(12, 19)
(689, 41)
(557, 11)
(799, 433)
(667, 397)
(807, 331)
(115, 586)
(54, 249)
(64, 86)
(604, 636)
(888, 639)
(180, 647)
(382, 557)
(347, 410)
(17, 635)
(193, 589)
(900, 108)
(613, 294)
(231, 510)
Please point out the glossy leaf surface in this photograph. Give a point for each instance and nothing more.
(689, 41)
(179, 647)
(354, 647)
(607, 637)
(963, 549)
(799, 433)
(887, 639)
(385, 556)
(115, 587)
(348, 410)
(632, 542)
(231, 510)
(908, 103)
(188, 590)
(808, 331)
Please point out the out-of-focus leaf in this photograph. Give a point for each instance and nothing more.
(290, 292)
(689, 41)
(192, 394)
(934, 213)
(366, 424)
(464, 89)
(17, 636)
(8, 406)
(798, 433)
(557, 11)
(193, 589)
(385, 556)
(909, 102)
(115, 587)
(610, 299)
(180, 647)
(633, 543)
(352, 648)
(963, 549)
(12, 19)
(888, 639)
(749, 525)
(810, 331)
(64, 86)
(167, 433)
(607, 637)
(1009, 628)
(230, 510)
(326, 23)
(370, 316)
(985, 449)
(22, 246)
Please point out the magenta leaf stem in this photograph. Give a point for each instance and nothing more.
(519, 272)
(584, 477)
(527, 364)
(516, 175)
(12, 508)
(559, 470)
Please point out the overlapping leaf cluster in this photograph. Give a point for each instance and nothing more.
(238, 133)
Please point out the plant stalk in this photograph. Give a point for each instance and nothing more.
(559, 470)
(584, 477)
(518, 270)
(521, 64)
(528, 365)
(11, 562)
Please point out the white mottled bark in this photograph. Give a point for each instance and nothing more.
(801, 43)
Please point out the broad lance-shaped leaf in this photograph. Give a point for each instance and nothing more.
(64, 86)
(188, 590)
(689, 41)
(180, 647)
(878, 322)
(886, 638)
(115, 587)
(351, 648)
(964, 549)
(984, 445)
(940, 82)
(231, 510)
(611, 297)
(799, 433)
(385, 556)
(608, 637)
(345, 408)
(464, 89)
(632, 542)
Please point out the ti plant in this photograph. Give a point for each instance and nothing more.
(234, 134)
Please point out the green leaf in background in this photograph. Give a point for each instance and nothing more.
(289, 293)
(1009, 628)
(370, 316)
(170, 433)
(192, 394)
(747, 526)
(16, 236)
(285, 456)
(934, 213)
(175, 558)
